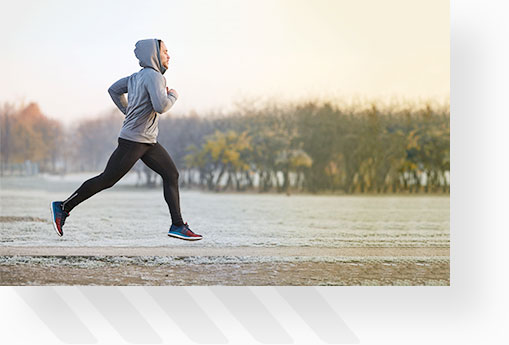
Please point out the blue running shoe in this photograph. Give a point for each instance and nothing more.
(184, 233)
(58, 216)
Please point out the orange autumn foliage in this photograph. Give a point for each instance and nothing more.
(27, 134)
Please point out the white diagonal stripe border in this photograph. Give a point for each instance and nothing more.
(204, 315)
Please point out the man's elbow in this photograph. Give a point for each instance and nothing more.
(111, 93)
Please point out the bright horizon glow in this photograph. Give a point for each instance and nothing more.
(65, 55)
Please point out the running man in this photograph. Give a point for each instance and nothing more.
(148, 97)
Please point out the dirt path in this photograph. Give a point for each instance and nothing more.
(251, 274)
(194, 265)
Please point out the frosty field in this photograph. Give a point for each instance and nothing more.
(329, 239)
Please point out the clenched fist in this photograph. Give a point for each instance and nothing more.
(168, 91)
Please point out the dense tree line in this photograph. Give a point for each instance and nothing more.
(311, 146)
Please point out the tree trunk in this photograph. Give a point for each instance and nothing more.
(249, 180)
(286, 180)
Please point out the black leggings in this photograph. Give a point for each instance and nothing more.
(121, 161)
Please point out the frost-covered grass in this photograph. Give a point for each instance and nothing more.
(128, 216)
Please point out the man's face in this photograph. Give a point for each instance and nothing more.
(165, 58)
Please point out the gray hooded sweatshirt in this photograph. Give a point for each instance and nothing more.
(147, 97)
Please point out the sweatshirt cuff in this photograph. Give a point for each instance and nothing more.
(173, 95)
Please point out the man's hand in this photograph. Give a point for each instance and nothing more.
(168, 91)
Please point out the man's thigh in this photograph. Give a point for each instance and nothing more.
(123, 158)
(158, 159)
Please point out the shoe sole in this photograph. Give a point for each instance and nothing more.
(185, 238)
(53, 220)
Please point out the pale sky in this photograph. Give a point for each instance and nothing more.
(65, 54)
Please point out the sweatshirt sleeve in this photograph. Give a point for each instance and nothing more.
(117, 92)
(156, 88)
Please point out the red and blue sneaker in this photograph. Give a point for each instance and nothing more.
(58, 216)
(183, 232)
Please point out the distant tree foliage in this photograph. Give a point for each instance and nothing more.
(26, 134)
(312, 146)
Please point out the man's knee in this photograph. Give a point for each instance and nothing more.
(171, 177)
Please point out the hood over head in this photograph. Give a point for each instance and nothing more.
(147, 51)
